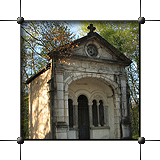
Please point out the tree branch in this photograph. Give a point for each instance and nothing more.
(31, 34)
(33, 48)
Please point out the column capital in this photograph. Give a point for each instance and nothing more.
(66, 93)
(75, 103)
(90, 103)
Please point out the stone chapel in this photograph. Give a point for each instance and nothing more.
(85, 98)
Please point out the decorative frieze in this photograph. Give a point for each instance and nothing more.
(92, 66)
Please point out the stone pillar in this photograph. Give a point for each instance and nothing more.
(106, 116)
(117, 115)
(66, 109)
(60, 98)
(125, 121)
(126, 132)
(123, 92)
(98, 114)
(60, 112)
(74, 115)
(62, 130)
(90, 115)
(75, 106)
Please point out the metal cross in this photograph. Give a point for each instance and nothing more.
(91, 27)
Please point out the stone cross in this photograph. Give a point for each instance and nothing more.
(91, 28)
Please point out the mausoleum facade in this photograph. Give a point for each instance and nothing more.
(83, 97)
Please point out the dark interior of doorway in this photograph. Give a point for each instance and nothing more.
(83, 117)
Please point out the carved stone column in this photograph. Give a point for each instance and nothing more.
(98, 114)
(117, 116)
(126, 132)
(75, 112)
(60, 112)
(106, 116)
(123, 93)
(66, 116)
(90, 114)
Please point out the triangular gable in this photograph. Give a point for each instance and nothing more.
(109, 51)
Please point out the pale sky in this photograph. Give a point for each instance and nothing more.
(74, 25)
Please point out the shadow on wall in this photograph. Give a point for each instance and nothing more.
(48, 135)
(39, 124)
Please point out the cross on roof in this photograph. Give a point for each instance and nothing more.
(91, 27)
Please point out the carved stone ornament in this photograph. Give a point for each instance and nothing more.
(92, 50)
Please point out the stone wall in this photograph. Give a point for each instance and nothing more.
(39, 111)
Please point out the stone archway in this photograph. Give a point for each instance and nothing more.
(105, 80)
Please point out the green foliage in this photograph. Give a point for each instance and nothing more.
(24, 113)
(135, 121)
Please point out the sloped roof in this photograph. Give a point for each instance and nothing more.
(45, 68)
(114, 51)
(104, 42)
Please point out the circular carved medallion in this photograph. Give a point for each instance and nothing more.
(92, 50)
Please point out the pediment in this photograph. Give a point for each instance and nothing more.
(102, 51)
(106, 51)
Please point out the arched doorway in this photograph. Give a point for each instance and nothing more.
(101, 101)
(83, 117)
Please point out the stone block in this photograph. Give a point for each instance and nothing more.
(126, 131)
(123, 90)
(66, 104)
(84, 75)
(90, 70)
(66, 112)
(60, 103)
(72, 134)
(59, 78)
(123, 83)
(124, 98)
(80, 69)
(80, 77)
(75, 78)
(60, 119)
(84, 64)
(98, 75)
(61, 112)
(60, 95)
(61, 135)
(62, 128)
(66, 87)
(66, 119)
(101, 134)
(89, 75)
(94, 75)
(60, 86)
(78, 74)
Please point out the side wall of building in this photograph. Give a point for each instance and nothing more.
(39, 111)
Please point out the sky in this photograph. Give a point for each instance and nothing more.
(74, 26)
